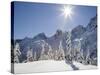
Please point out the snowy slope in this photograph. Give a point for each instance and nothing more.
(47, 66)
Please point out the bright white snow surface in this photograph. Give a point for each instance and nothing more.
(48, 66)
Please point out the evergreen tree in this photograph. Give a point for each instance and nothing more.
(50, 53)
(42, 56)
(88, 57)
(29, 55)
(56, 55)
(17, 53)
(79, 54)
(68, 48)
(35, 56)
(60, 51)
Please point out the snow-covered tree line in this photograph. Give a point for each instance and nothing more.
(75, 52)
(47, 53)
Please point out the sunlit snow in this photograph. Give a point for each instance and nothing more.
(48, 66)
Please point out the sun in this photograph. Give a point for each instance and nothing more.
(67, 11)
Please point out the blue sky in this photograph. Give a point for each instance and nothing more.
(31, 19)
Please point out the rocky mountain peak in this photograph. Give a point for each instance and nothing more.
(92, 24)
(40, 36)
(78, 31)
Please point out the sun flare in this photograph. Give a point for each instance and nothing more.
(67, 11)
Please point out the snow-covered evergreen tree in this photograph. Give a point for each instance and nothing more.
(42, 53)
(61, 52)
(43, 56)
(88, 60)
(79, 53)
(50, 53)
(29, 55)
(17, 53)
(68, 54)
(35, 56)
(55, 55)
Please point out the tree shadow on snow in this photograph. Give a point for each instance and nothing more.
(72, 65)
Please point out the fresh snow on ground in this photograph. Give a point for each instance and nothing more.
(48, 66)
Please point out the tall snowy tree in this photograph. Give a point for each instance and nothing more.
(60, 51)
(29, 55)
(68, 54)
(17, 53)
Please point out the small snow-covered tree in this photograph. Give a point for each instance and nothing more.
(42, 56)
(35, 56)
(50, 53)
(88, 60)
(79, 53)
(17, 53)
(55, 55)
(29, 55)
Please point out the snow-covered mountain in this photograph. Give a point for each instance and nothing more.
(78, 31)
(40, 36)
(84, 50)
